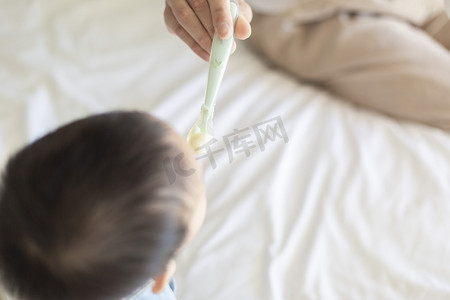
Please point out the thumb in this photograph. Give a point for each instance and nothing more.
(221, 16)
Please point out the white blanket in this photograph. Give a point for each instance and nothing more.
(345, 204)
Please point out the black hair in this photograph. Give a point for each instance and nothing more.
(87, 213)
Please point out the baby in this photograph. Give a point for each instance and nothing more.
(392, 56)
(88, 212)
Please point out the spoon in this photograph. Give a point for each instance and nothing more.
(202, 131)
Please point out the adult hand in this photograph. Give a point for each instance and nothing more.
(195, 21)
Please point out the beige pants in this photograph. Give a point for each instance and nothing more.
(376, 61)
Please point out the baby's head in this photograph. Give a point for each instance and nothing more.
(88, 212)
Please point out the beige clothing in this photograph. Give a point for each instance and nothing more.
(376, 61)
(414, 11)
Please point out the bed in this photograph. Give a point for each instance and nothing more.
(309, 196)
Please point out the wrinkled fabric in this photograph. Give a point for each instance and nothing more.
(415, 11)
(376, 61)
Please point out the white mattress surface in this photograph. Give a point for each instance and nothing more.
(346, 205)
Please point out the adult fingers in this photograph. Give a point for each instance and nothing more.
(245, 10)
(221, 18)
(186, 18)
(174, 27)
(233, 48)
(243, 28)
(202, 11)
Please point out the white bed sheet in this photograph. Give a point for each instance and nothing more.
(354, 206)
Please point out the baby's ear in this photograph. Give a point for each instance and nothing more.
(162, 280)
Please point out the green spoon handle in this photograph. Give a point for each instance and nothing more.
(220, 53)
